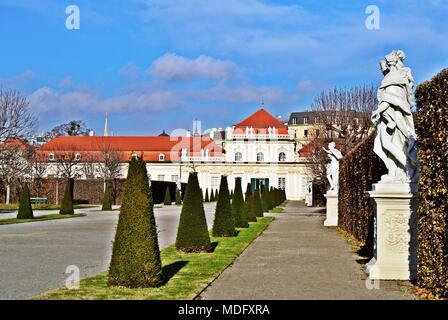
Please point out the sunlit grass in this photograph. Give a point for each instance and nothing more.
(188, 274)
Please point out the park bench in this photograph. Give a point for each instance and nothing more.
(38, 200)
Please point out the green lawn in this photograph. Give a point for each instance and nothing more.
(15, 206)
(188, 274)
(41, 218)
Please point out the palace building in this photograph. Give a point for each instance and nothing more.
(260, 150)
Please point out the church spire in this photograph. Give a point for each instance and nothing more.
(106, 126)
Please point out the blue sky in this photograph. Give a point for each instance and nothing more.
(159, 64)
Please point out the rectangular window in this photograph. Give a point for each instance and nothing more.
(282, 183)
(161, 177)
(305, 120)
(174, 178)
(305, 133)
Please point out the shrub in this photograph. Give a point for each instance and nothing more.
(249, 202)
(358, 170)
(238, 206)
(207, 199)
(25, 209)
(264, 200)
(107, 200)
(257, 204)
(135, 254)
(224, 225)
(212, 196)
(432, 131)
(178, 198)
(67, 201)
(167, 199)
(192, 233)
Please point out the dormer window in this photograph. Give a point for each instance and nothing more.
(51, 157)
(161, 157)
(78, 157)
(305, 120)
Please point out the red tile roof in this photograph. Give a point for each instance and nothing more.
(150, 146)
(262, 119)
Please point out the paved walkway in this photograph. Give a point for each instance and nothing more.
(298, 258)
(35, 255)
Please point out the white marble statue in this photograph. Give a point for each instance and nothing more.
(396, 141)
(333, 167)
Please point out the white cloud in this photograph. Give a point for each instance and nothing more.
(173, 67)
(129, 71)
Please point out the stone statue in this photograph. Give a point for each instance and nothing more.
(396, 141)
(333, 167)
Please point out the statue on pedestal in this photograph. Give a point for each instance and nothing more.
(396, 141)
(333, 167)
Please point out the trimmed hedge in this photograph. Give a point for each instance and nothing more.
(249, 202)
(224, 225)
(358, 170)
(238, 206)
(25, 209)
(136, 259)
(107, 200)
(257, 203)
(67, 201)
(167, 200)
(432, 131)
(192, 233)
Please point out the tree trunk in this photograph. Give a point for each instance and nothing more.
(8, 193)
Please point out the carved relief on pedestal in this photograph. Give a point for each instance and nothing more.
(396, 227)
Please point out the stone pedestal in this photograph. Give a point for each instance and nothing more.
(395, 231)
(332, 209)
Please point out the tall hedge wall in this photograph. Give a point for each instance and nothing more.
(432, 131)
(358, 170)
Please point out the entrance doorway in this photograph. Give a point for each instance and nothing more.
(258, 183)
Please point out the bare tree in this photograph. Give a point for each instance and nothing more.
(14, 165)
(342, 116)
(16, 119)
(68, 162)
(38, 167)
(110, 168)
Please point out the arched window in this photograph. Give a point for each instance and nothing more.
(281, 157)
(238, 156)
(260, 157)
(161, 157)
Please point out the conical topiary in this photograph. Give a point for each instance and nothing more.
(207, 199)
(107, 200)
(238, 206)
(25, 209)
(264, 200)
(67, 201)
(249, 202)
(192, 234)
(212, 196)
(257, 204)
(167, 199)
(178, 198)
(135, 255)
(224, 226)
